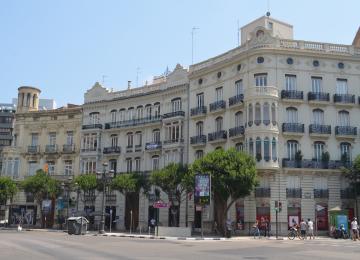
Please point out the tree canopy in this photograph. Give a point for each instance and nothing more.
(352, 173)
(130, 182)
(8, 189)
(86, 182)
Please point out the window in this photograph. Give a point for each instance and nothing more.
(199, 154)
(318, 150)
(139, 112)
(176, 105)
(51, 167)
(200, 100)
(316, 63)
(138, 138)
(94, 118)
(291, 115)
(320, 183)
(341, 86)
(218, 124)
(218, 94)
(130, 140)
(137, 164)
(257, 114)
(157, 110)
(270, 25)
(345, 152)
(69, 137)
(33, 167)
(131, 113)
(52, 138)
(260, 59)
(266, 113)
(173, 131)
(89, 142)
(114, 140)
(273, 149)
(239, 88)
(239, 119)
(251, 119)
(273, 113)
(10, 167)
(122, 114)
(239, 147)
(258, 149)
(261, 80)
(318, 117)
(156, 136)
(34, 139)
(88, 166)
(113, 165)
(316, 84)
(290, 61)
(293, 182)
(292, 148)
(251, 147)
(113, 116)
(290, 82)
(344, 118)
(148, 111)
(266, 149)
(128, 165)
(68, 168)
(199, 128)
(155, 162)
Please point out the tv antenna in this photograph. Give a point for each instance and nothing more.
(268, 8)
(192, 43)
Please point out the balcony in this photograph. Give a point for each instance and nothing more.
(237, 131)
(347, 193)
(92, 126)
(198, 111)
(319, 130)
(293, 129)
(153, 146)
(89, 198)
(129, 149)
(220, 136)
(262, 192)
(138, 148)
(198, 140)
(174, 114)
(33, 149)
(112, 150)
(292, 95)
(344, 99)
(346, 131)
(318, 98)
(173, 141)
(51, 148)
(293, 193)
(236, 101)
(312, 164)
(68, 148)
(133, 122)
(110, 198)
(90, 149)
(217, 106)
(321, 193)
(261, 92)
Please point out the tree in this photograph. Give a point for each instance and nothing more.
(174, 180)
(86, 183)
(8, 189)
(42, 186)
(130, 185)
(352, 173)
(233, 176)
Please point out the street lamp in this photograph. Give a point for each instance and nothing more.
(104, 177)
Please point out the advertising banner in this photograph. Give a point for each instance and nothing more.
(202, 189)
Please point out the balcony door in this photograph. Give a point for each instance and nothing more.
(316, 84)
(291, 115)
(318, 117)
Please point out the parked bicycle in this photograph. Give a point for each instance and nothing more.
(294, 232)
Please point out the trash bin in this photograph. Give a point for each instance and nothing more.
(77, 225)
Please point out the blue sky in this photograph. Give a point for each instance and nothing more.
(63, 47)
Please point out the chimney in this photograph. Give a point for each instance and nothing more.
(129, 84)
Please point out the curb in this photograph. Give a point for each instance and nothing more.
(161, 237)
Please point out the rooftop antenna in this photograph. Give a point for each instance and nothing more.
(238, 33)
(103, 79)
(137, 76)
(192, 43)
(268, 8)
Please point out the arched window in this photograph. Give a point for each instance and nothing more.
(156, 135)
(258, 149)
(155, 162)
(219, 124)
(344, 118)
(250, 117)
(319, 148)
(94, 118)
(199, 154)
(113, 115)
(267, 149)
(148, 111)
(139, 112)
(122, 114)
(239, 119)
(318, 116)
(131, 113)
(199, 128)
(273, 114)
(257, 114)
(345, 152)
(130, 139)
(291, 115)
(273, 149)
(156, 110)
(292, 148)
(251, 147)
(176, 104)
(239, 147)
(266, 113)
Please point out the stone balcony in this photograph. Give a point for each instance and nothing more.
(346, 132)
(261, 92)
(51, 149)
(293, 129)
(68, 148)
(344, 99)
(236, 101)
(218, 106)
(198, 111)
(292, 95)
(217, 137)
(33, 149)
(174, 115)
(198, 140)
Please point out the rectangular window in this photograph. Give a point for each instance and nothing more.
(156, 136)
(68, 168)
(290, 82)
(137, 164)
(130, 141)
(51, 167)
(69, 137)
(293, 182)
(114, 140)
(316, 84)
(33, 167)
(88, 166)
(129, 165)
(176, 105)
(138, 139)
(34, 139)
(341, 86)
(260, 80)
(155, 163)
(239, 89)
(200, 100)
(52, 138)
(218, 94)
(113, 116)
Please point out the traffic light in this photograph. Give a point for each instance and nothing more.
(280, 206)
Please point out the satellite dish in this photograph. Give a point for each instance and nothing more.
(267, 14)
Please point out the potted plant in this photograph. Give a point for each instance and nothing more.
(258, 157)
(298, 158)
(325, 157)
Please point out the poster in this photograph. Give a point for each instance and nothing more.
(202, 189)
(293, 220)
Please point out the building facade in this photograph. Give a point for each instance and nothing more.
(47, 139)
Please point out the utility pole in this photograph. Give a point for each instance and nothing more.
(192, 43)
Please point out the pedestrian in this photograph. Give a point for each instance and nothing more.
(228, 228)
(152, 224)
(266, 227)
(310, 226)
(354, 228)
(256, 231)
(303, 227)
(216, 231)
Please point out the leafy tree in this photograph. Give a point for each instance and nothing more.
(86, 183)
(233, 176)
(174, 180)
(42, 186)
(8, 189)
(352, 173)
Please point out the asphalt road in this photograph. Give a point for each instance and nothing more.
(50, 245)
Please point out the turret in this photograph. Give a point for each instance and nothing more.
(28, 99)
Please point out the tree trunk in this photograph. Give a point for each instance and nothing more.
(220, 206)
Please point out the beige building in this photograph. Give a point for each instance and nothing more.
(42, 139)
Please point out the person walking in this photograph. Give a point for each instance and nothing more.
(303, 227)
(354, 229)
(256, 231)
(310, 226)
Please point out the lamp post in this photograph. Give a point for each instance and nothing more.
(104, 177)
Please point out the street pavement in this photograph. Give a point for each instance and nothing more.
(59, 245)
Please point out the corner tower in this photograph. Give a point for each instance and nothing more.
(28, 99)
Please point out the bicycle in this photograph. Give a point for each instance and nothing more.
(293, 232)
(256, 232)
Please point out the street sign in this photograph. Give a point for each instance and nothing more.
(160, 204)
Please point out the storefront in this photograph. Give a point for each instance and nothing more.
(24, 214)
(294, 213)
(321, 215)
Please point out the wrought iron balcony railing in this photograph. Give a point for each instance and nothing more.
(33, 149)
(68, 148)
(92, 126)
(292, 94)
(217, 105)
(153, 146)
(319, 96)
(198, 139)
(321, 193)
(198, 111)
(292, 128)
(236, 131)
(133, 122)
(345, 130)
(51, 148)
(293, 192)
(111, 149)
(320, 129)
(236, 100)
(344, 98)
(313, 164)
(174, 114)
(262, 192)
(217, 135)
